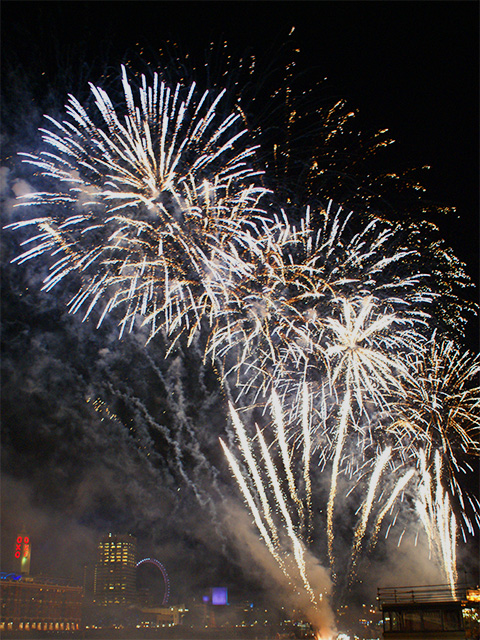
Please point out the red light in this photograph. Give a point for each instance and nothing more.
(26, 540)
(17, 554)
(19, 540)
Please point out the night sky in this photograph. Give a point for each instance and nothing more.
(100, 434)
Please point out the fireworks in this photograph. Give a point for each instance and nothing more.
(439, 414)
(434, 508)
(267, 481)
(149, 207)
(302, 275)
(325, 316)
(442, 400)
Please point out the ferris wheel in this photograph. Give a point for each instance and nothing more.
(164, 573)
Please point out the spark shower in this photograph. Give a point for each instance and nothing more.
(324, 318)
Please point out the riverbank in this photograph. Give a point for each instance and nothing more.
(173, 633)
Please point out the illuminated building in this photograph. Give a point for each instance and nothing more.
(471, 614)
(114, 580)
(28, 605)
(217, 596)
(22, 553)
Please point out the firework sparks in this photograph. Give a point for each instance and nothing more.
(378, 469)
(359, 366)
(434, 508)
(443, 400)
(439, 412)
(399, 487)
(156, 200)
(281, 320)
(263, 471)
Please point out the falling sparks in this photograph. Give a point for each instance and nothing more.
(277, 501)
(435, 511)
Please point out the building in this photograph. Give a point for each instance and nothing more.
(29, 604)
(417, 613)
(162, 616)
(22, 553)
(115, 570)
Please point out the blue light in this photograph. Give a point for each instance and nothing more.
(219, 595)
(10, 576)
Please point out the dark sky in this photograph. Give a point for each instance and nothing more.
(411, 67)
(408, 67)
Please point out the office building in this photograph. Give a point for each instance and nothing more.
(115, 574)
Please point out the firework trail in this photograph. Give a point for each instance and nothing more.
(360, 367)
(307, 448)
(341, 434)
(263, 479)
(378, 469)
(440, 413)
(398, 488)
(433, 413)
(434, 508)
(273, 498)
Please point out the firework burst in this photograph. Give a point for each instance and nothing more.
(440, 413)
(443, 400)
(147, 204)
(281, 319)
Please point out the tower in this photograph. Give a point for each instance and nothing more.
(114, 581)
(23, 553)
